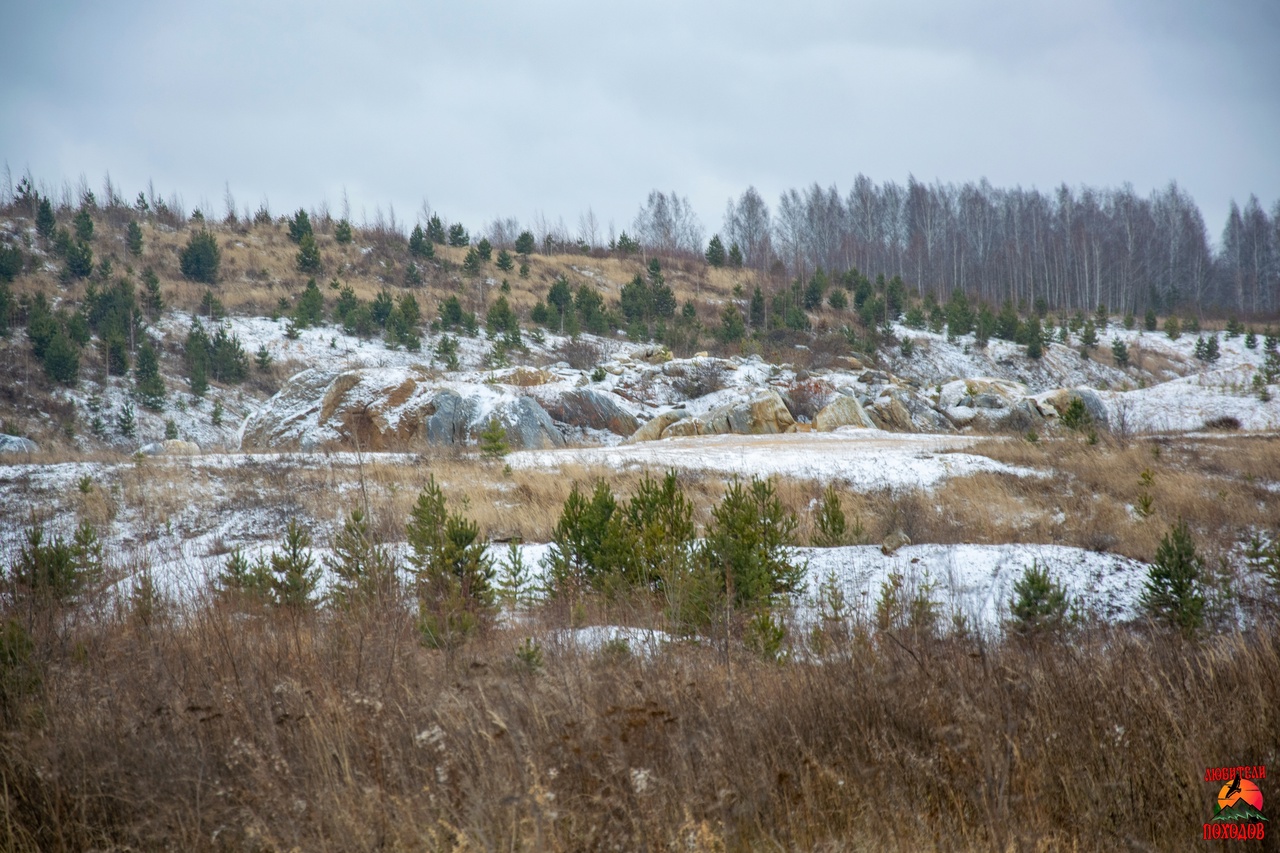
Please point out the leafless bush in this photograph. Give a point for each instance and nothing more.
(1223, 422)
(705, 377)
(582, 354)
(807, 397)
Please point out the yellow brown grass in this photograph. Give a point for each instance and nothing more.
(218, 728)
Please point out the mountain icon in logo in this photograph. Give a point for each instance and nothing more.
(1240, 799)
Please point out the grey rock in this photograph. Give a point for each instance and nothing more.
(1094, 405)
(988, 401)
(17, 444)
(531, 428)
(593, 409)
(449, 423)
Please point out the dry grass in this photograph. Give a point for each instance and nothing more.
(221, 729)
(1089, 497)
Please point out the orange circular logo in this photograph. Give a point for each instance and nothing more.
(1235, 791)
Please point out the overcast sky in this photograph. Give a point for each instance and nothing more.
(493, 109)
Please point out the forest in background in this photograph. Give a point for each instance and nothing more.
(1070, 249)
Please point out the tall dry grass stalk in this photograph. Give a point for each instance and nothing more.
(222, 728)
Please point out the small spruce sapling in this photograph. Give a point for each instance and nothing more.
(294, 577)
(1173, 594)
(830, 522)
(1039, 604)
(493, 441)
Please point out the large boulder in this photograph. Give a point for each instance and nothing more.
(683, 429)
(287, 420)
(17, 444)
(1058, 401)
(889, 414)
(842, 411)
(653, 430)
(450, 418)
(529, 426)
(584, 407)
(765, 414)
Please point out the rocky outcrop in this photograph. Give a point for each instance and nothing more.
(590, 409)
(891, 415)
(529, 426)
(1053, 404)
(842, 411)
(765, 414)
(653, 430)
(450, 418)
(284, 420)
(982, 402)
(380, 409)
(685, 428)
(17, 444)
(170, 447)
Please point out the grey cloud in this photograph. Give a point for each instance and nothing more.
(491, 109)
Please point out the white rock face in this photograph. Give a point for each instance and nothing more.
(379, 409)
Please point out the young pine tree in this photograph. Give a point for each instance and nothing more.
(201, 258)
(493, 441)
(745, 562)
(1173, 594)
(294, 577)
(420, 246)
(453, 577)
(363, 570)
(576, 558)
(147, 384)
(134, 239)
(308, 257)
(1120, 353)
(1039, 604)
(831, 523)
(300, 226)
(715, 252)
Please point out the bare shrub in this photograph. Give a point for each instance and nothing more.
(581, 353)
(705, 377)
(1223, 422)
(807, 397)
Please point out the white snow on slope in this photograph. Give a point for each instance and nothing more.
(864, 458)
(976, 581)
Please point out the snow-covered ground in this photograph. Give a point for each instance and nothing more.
(975, 582)
(865, 459)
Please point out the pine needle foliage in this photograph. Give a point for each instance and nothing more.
(493, 441)
(1039, 603)
(294, 577)
(363, 569)
(1174, 594)
(831, 523)
(453, 576)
